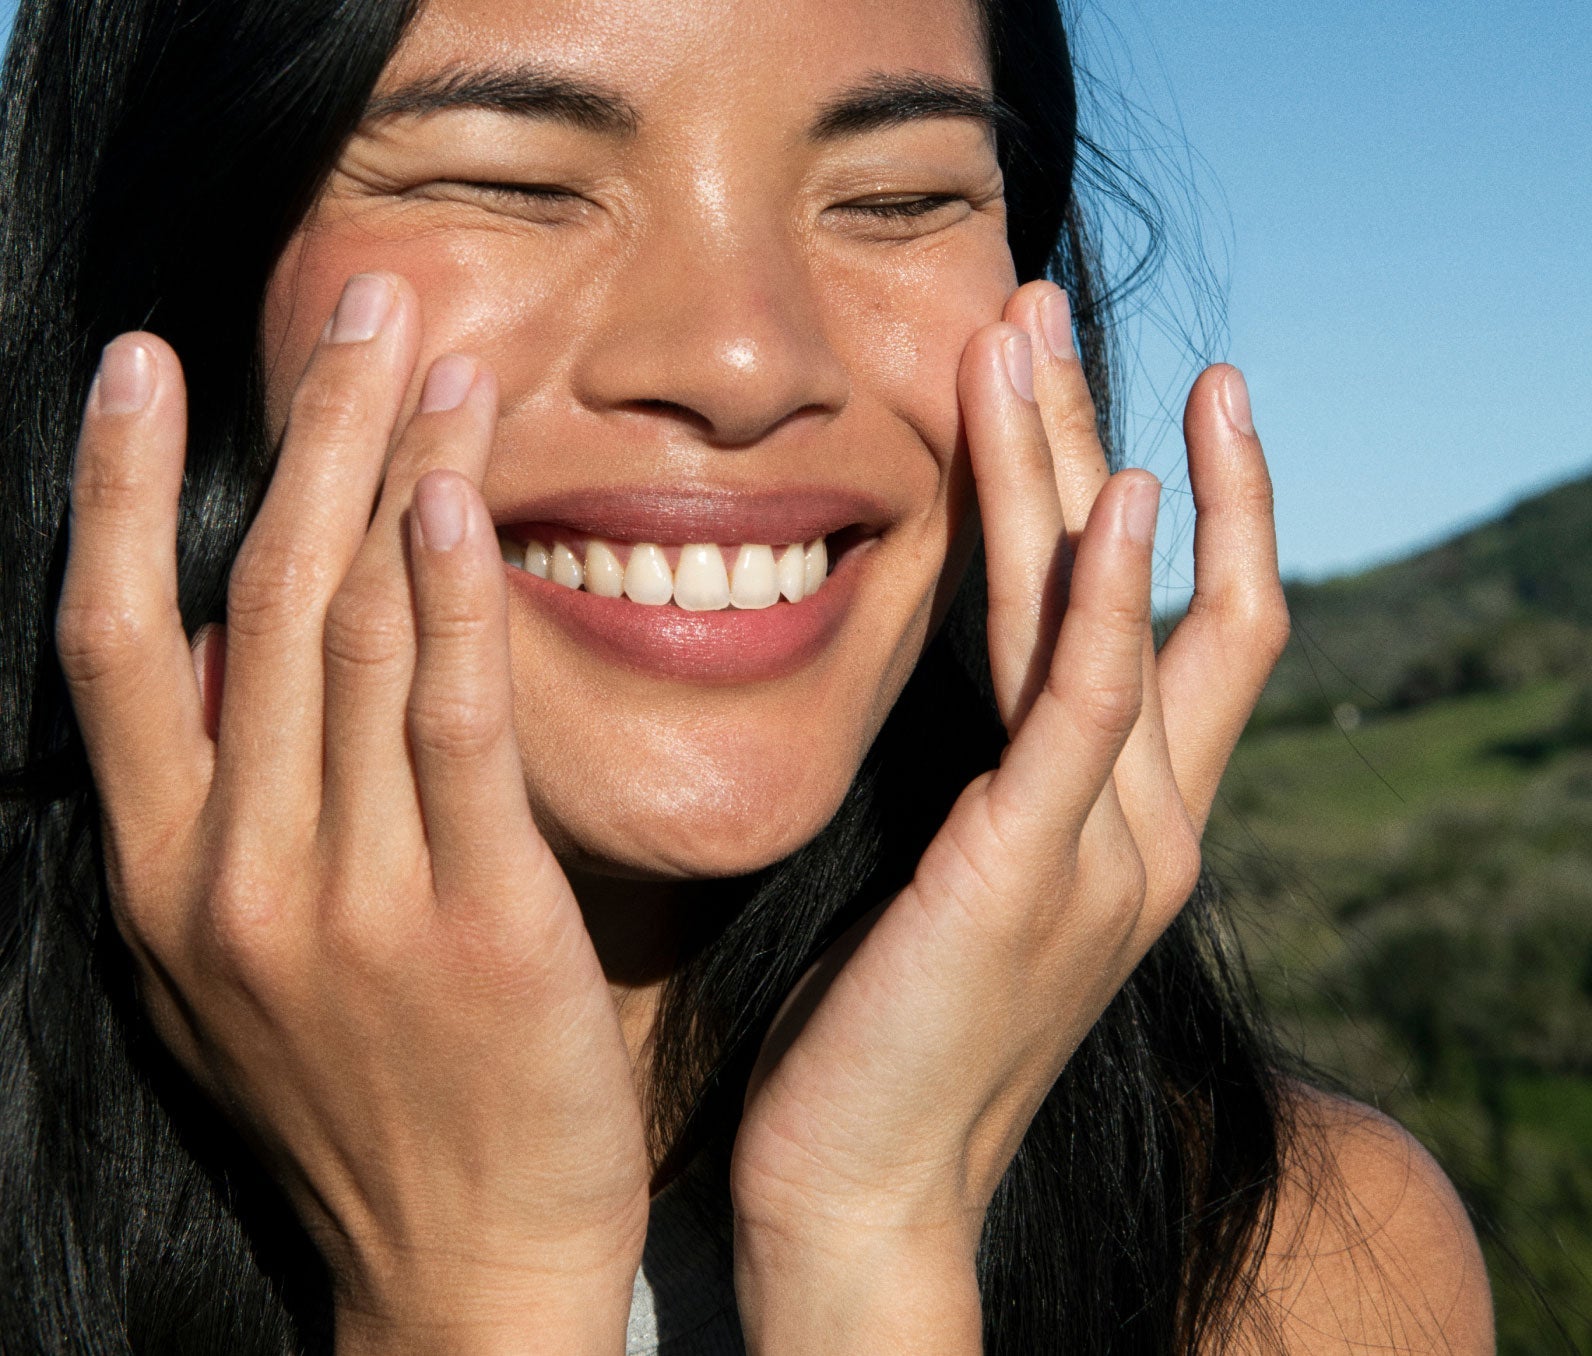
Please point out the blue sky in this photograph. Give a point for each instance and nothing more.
(1395, 196)
(1398, 194)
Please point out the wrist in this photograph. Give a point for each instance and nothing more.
(858, 1291)
(476, 1314)
(538, 1328)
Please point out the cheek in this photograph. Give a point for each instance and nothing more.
(904, 327)
(465, 304)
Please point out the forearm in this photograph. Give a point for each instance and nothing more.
(857, 1296)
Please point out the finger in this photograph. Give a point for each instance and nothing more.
(1065, 402)
(1144, 776)
(461, 726)
(339, 429)
(1215, 663)
(370, 637)
(1059, 764)
(119, 631)
(1025, 544)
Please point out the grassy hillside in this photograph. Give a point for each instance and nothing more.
(1406, 836)
(1499, 606)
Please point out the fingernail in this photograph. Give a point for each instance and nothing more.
(1019, 355)
(126, 377)
(447, 383)
(440, 507)
(1235, 394)
(366, 300)
(1055, 315)
(1138, 515)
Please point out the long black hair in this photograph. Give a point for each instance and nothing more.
(155, 157)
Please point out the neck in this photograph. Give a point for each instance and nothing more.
(636, 928)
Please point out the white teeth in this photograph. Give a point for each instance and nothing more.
(605, 576)
(648, 578)
(760, 576)
(816, 567)
(753, 583)
(566, 568)
(792, 573)
(700, 582)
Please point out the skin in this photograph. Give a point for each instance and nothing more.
(400, 863)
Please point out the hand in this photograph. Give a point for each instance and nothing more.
(321, 854)
(898, 1081)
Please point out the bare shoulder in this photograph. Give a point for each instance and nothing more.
(1371, 1249)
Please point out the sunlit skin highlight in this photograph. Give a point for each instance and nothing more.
(711, 305)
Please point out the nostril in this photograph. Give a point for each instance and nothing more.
(673, 409)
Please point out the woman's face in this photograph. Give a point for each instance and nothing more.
(723, 257)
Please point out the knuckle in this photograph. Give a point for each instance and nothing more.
(98, 638)
(1076, 421)
(1123, 616)
(273, 584)
(1254, 495)
(456, 725)
(1130, 883)
(328, 403)
(363, 634)
(243, 924)
(106, 484)
(1272, 624)
(458, 617)
(1111, 707)
(1255, 617)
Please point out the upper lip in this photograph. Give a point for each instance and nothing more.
(680, 515)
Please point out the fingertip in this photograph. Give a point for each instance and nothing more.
(1044, 311)
(995, 387)
(1022, 306)
(125, 380)
(1141, 501)
(442, 510)
(1219, 404)
(448, 383)
(130, 375)
(1235, 403)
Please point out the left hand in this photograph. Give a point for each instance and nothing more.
(900, 1077)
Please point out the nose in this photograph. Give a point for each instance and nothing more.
(716, 326)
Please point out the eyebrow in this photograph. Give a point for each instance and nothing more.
(525, 90)
(532, 91)
(892, 100)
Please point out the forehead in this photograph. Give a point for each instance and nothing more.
(715, 49)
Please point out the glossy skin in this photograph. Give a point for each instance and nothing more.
(714, 311)
(400, 842)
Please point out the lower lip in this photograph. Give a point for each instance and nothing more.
(727, 646)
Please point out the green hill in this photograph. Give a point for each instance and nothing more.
(1498, 607)
(1405, 835)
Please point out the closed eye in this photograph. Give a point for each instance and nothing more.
(903, 205)
(543, 203)
(533, 192)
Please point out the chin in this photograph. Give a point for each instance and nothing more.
(696, 815)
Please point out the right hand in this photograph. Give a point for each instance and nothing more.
(357, 942)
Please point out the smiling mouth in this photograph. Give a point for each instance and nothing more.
(709, 585)
(691, 576)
